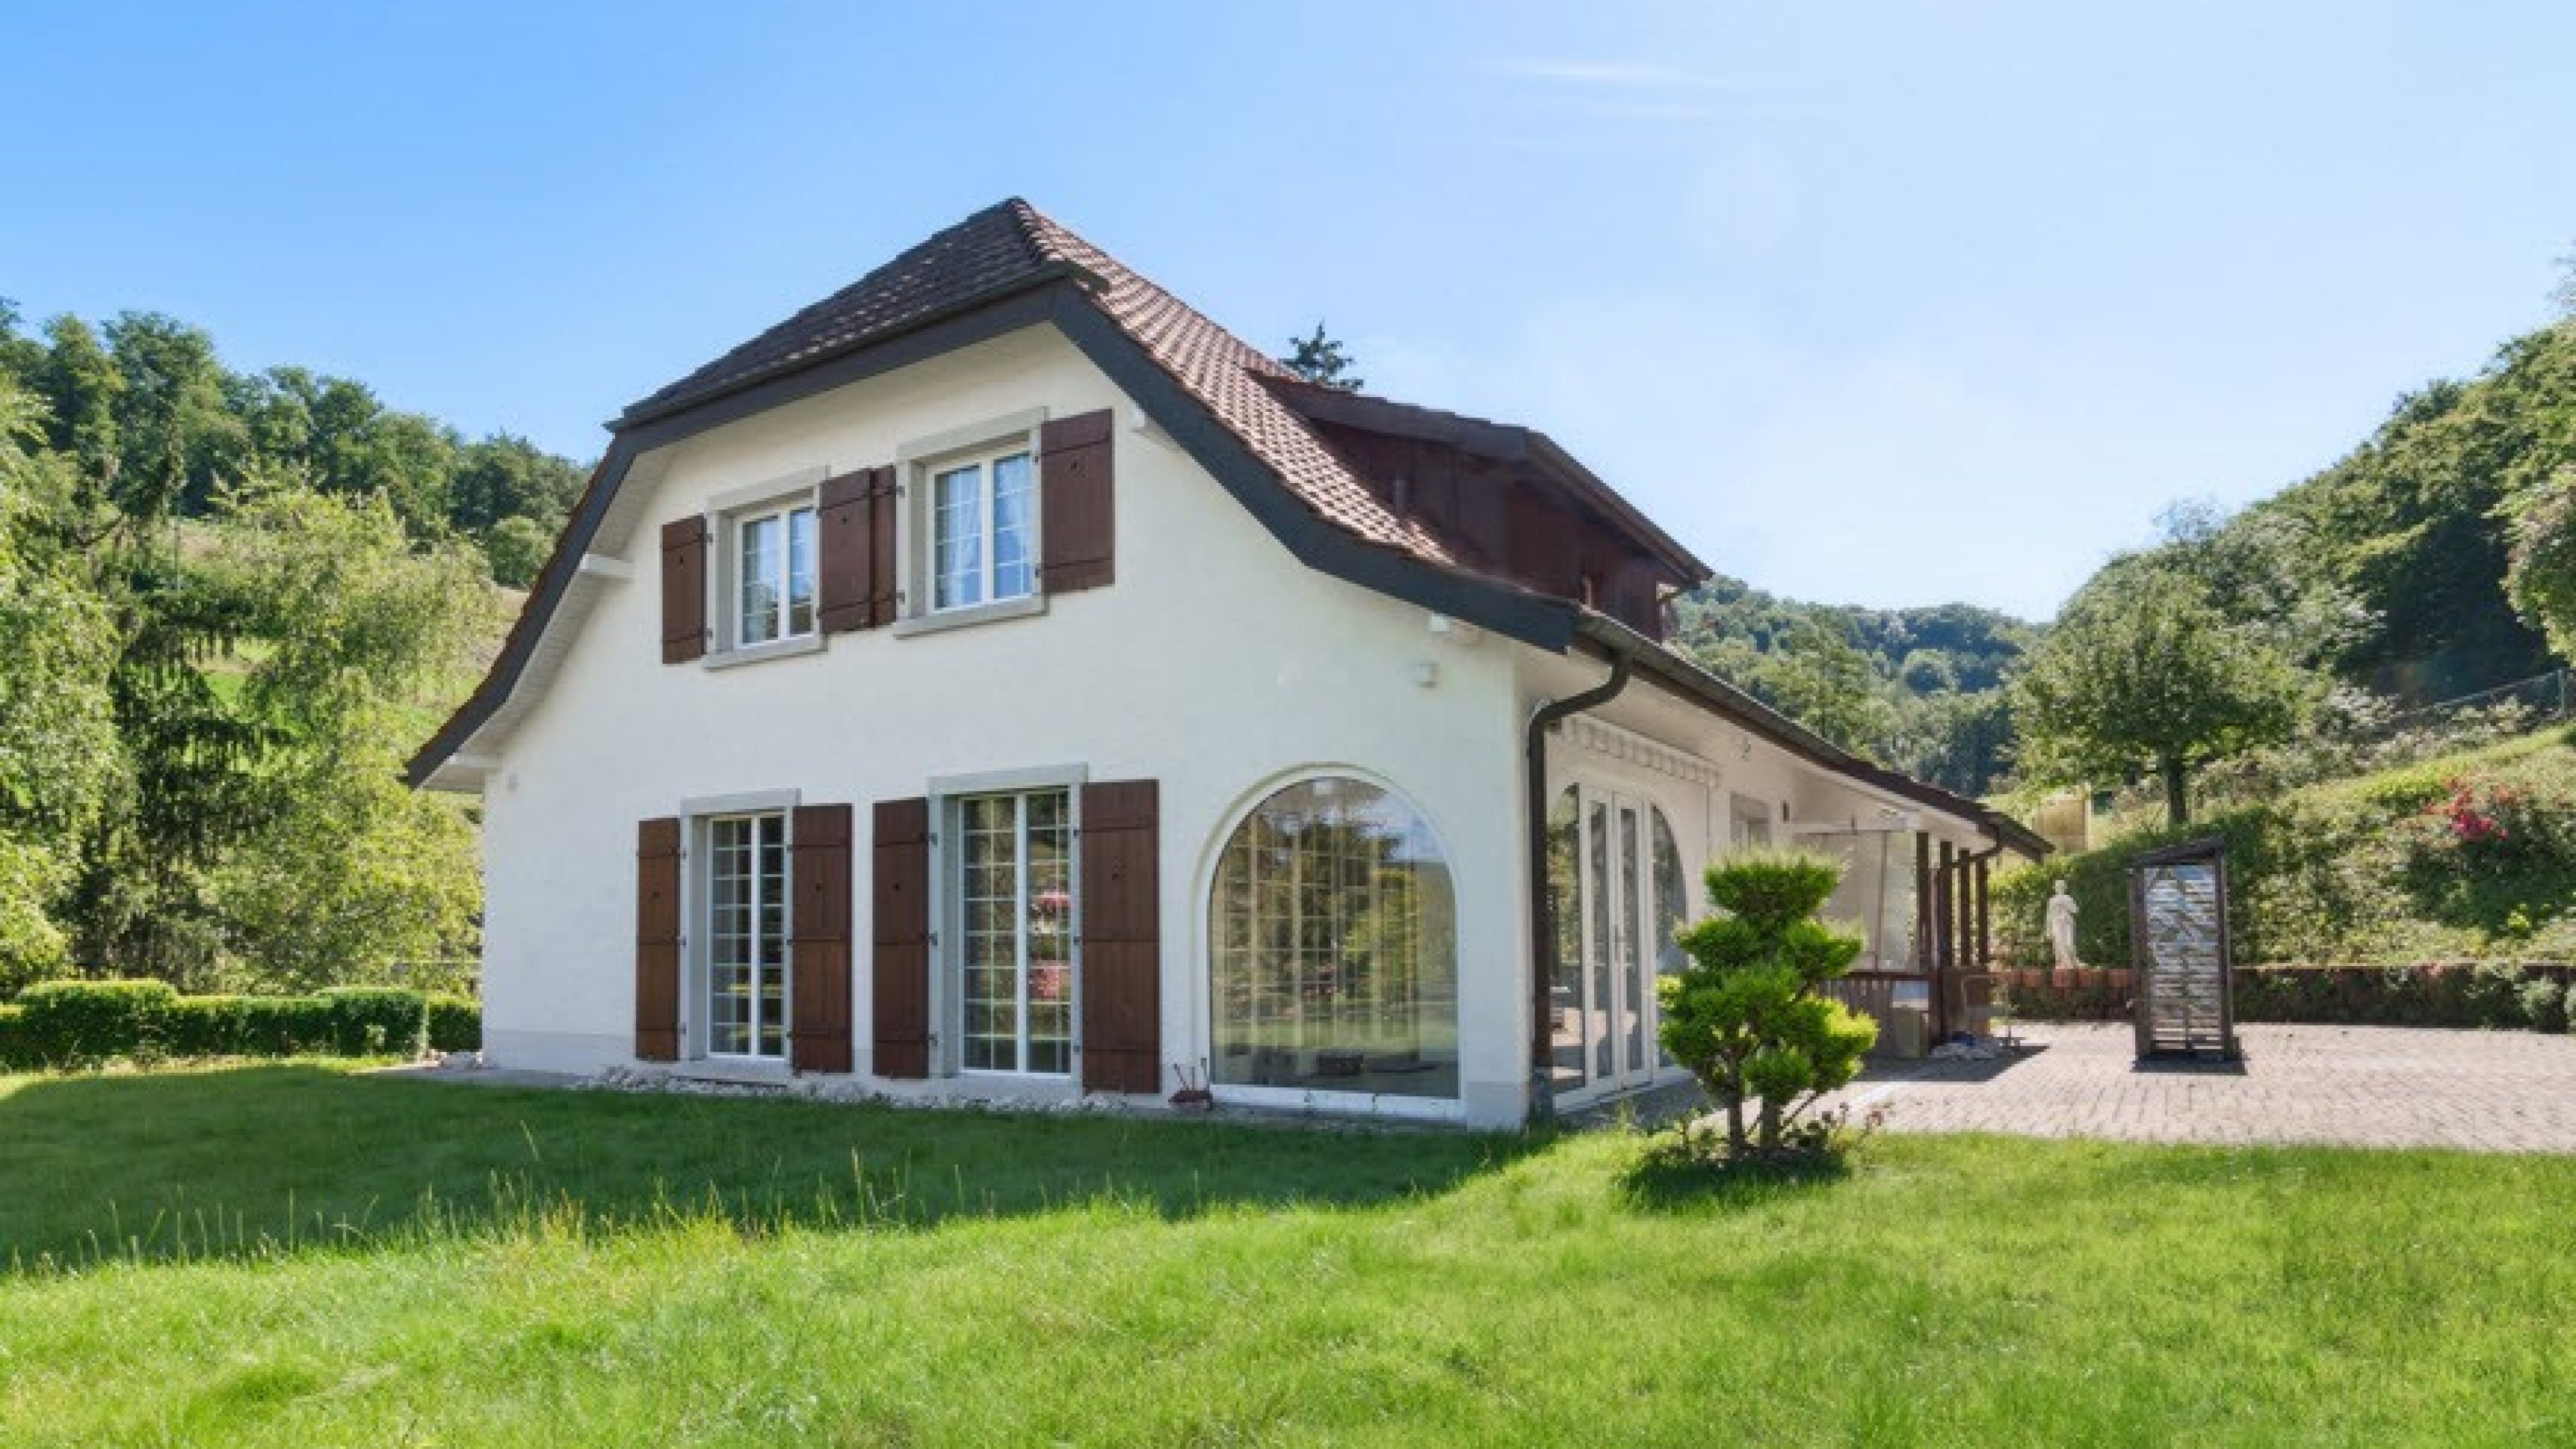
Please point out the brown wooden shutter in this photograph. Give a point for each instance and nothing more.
(1122, 938)
(657, 940)
(684, 590)
(1077, 512)
(856, 566)
(901, 970)
(819, 868)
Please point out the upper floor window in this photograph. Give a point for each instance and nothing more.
(984, 529)
(773, 574)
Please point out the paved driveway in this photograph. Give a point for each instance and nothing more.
(2371, 1086)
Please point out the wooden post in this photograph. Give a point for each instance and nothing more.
(1945, 940)
(1922, 902)
(1985, 922)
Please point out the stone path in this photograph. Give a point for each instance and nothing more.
(2367, 1086)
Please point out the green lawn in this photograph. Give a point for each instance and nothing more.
(402, 1262)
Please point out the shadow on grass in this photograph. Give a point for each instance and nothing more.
(289, 1157)
(1666, 1178)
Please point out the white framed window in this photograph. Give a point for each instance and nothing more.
(770, 565)
(1012, 882)
(983, 527)
(746, 933)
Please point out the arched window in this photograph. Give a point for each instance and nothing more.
(1333, 929)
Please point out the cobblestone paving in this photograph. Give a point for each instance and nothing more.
(2484, 1091)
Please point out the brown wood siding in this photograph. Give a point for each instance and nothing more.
(900, 971)
(1078, 514)
(684, 590)
(657, 940)
(819, 870)
(1122, 945)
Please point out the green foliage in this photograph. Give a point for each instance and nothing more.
(516, 549)
(1323, 361)
(2142, 672)
(67, 1024)
(2385, 868)
(2543, 566)
(455, 1023)
(2544, 1003)
(1745, 1016)
(84, 1023)
(228, 606)
(1918, 689)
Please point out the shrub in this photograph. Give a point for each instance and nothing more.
(2544, 1004)
(370, 1021)
(84, 1023)
(455, 1024)
(1745, 1016)
(15, 1056)
(281, 1026)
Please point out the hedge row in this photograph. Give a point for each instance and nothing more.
(60, 1024)
(2536, 995)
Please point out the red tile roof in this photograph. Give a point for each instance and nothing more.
(1009, 246)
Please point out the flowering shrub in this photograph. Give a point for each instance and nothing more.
(2480, 812)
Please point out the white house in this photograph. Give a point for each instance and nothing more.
(999, 680)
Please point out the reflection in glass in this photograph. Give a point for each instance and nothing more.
(1334, 935)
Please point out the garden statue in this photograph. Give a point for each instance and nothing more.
(2061, 929)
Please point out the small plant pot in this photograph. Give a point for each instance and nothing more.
(2030, 978)
(2120, 981)
(2065, 980)
(1194, 1099)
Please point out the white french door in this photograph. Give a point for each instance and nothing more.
(1604, 982)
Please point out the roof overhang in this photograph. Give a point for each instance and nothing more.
(603, 520)
(1607, 637)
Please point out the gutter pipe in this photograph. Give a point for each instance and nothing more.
(1542, 914)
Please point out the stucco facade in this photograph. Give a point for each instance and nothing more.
(1307, 586)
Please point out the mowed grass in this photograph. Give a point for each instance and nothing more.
(407, 1262)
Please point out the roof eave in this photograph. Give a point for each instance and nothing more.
(1722, 698)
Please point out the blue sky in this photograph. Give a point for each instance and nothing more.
(1886, 304)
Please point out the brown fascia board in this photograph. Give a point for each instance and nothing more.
(1537, 619)
(1608, 637)
(1500, 442)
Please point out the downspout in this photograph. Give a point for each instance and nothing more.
(1542, 917)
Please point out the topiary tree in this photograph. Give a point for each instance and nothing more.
(1745, 1016)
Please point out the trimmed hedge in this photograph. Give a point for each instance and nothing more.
(2443, 993)
(67, 1024)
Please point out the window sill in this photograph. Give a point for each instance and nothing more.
(755, 653)
(970, 616)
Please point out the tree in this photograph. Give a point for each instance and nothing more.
(2543, 570)
(1745, 1015)
(2143, 672)
(1825, 683)
(1322, 361)
(516, 549)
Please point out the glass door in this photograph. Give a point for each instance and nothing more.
(1603, 900)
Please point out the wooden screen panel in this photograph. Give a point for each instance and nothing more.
(1122, 945)
(900, 969)
(657, 940)
(684, 590)
(819, 885)
(1077, 515)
